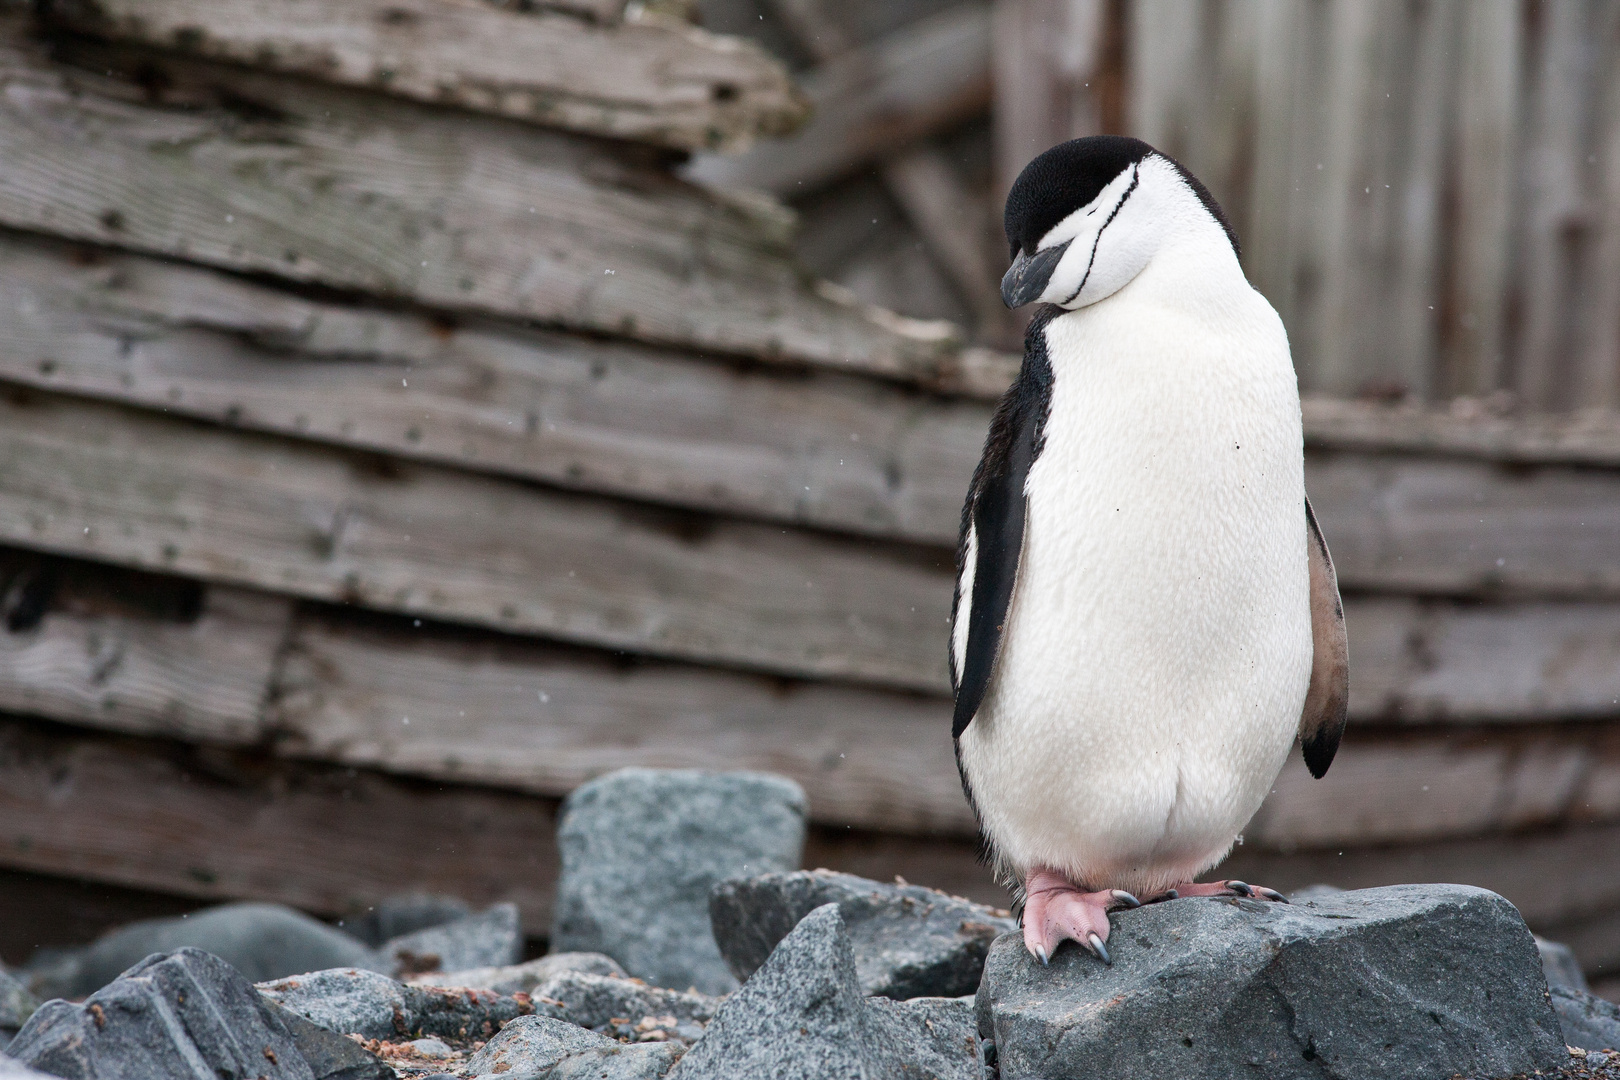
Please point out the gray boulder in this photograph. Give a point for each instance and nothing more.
(187, 1014)
(262, 941)
(925, 1036)
(540, 1048)
(491, 939)
(1587, 1021)
(524, 977)
(641, 848)
(1417, 981)
(331, 1056)
(396, 916)
(909, 941)
(625, 1008)
(1558, 963)
(352, 1001)
(802, 1016)
(12, 1069)
(16, 1006)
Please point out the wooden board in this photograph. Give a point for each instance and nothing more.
(819, 448)
(215, 826)
(653, 80)
(203, 680)
(544, 720)
(219, 825)
(141, 490)
(1465, 429)
(869, 102)
(847, 454)
(436, 702)
(277, 176)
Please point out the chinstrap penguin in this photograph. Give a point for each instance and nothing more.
(1146, 613)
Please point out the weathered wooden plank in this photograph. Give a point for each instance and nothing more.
(1048, 57)
(820, 448)
(1467, 527)
(870, 101)
(1465, 429)
(653, 80)
(1486, 134)
(844, 453)
(544, 720)
(205, 679)
(953, 225)
(219, 825)
(150, 492)
(466, 707)
(1556, 228)
(262, 173)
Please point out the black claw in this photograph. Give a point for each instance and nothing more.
(1273, 894)
(1123, 897)
(1242, 888)
(1099, 948)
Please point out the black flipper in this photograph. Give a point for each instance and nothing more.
(1328, 699)
(994, 516)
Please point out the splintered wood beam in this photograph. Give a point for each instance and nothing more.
(277, 176)
(151, 492)
(654, 80)
(812, 447)
(219, 825)
(868, 102)
(223, 825)
(436, 702)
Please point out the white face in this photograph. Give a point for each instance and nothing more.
(1107, 242)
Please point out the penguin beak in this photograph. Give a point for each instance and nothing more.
(1026, 279)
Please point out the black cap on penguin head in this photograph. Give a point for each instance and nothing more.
(1061, 181)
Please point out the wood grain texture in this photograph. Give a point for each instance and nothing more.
(1047, 57)
(812, 447)
(868, 102)
(1464, 429)
(205, 680)
(655, 80)
(220, 825)
(292, 179)
(137, 489)
(521, 715)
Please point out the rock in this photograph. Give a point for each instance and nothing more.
(491, 939)
(521, 978)
(926, 1036)
(625, 1008)
(909, 941)
(1558, 963)
(184, 1014)
(352, 1001)
(16, 1004)
(331, 1056)
(262, 941)
(396, 916)
(802, 1015)
(641, 848)
(540, 1048)
(11, 1069)
(1416, 981)
(1586, 1021)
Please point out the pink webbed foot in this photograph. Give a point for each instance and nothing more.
(1056, 911)
(1219, 888)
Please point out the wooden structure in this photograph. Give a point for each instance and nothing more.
(390, 442)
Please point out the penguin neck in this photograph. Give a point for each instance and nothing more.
(1195, 270)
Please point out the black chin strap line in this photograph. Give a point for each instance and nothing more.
(1136, 176)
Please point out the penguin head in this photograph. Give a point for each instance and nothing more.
(1088, 215)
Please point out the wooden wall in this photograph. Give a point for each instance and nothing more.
(376, 467)
(1426, 191)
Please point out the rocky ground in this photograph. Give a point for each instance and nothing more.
(687, 947)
